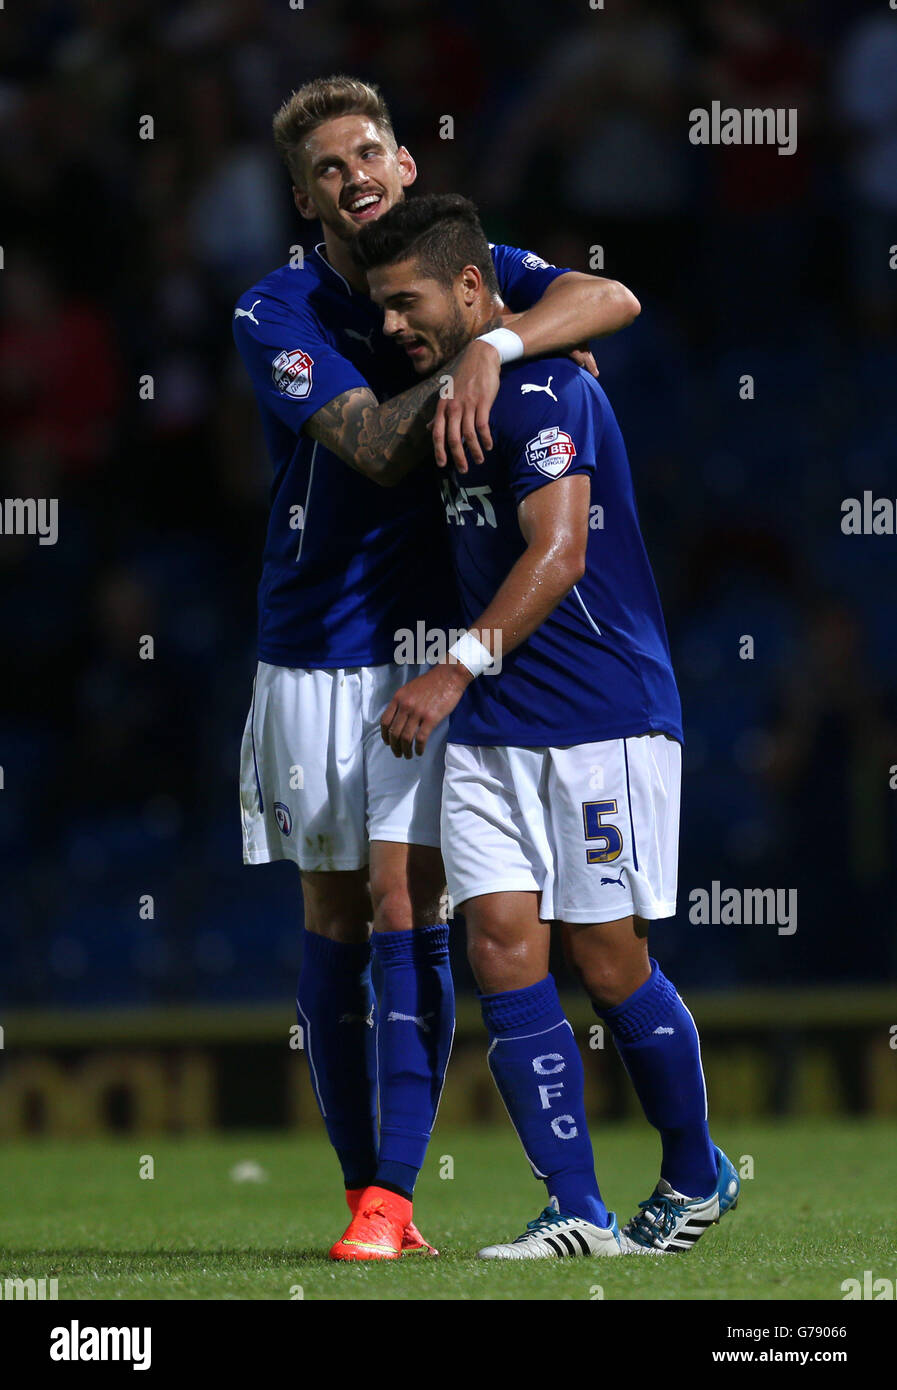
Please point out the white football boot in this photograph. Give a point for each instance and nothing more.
(553, 1236)
(670, 1223)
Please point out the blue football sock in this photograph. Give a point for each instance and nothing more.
(656, 1037)
(415, 1027)
(334, 1006)
(536, 1066)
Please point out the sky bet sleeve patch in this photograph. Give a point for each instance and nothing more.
(291, 373)
(551, 451)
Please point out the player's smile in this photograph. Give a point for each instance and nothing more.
(366, 206)
(415, 347)
(353, 176)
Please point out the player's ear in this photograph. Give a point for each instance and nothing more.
(304, 203)
(407, 167)
(471, 283)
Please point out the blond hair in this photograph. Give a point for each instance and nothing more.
(324, 99)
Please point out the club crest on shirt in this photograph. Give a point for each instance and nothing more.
(534, 262)
(291, 372)
(283, 817)
(552, 451)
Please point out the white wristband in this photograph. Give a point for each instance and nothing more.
(508, 343)
(472, 654)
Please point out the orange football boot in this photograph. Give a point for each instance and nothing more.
(376, 1230)
(381, 1228)
(413, 1242)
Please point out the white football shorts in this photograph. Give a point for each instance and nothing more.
(594, 828)
(317, 782)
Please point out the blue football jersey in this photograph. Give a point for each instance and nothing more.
(599, 666)
(347, 563)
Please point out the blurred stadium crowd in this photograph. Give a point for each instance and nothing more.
(123, 257)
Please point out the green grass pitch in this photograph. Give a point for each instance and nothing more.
(811, 1217)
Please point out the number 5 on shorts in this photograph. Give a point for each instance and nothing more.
(612, 841)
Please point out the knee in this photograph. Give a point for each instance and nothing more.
(499, 965)
(606, 985)
(483, 957)
(406, 897)
(392, 909)
(426, 886)
(609, 978)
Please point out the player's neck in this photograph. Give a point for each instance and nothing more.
(490, 315)
(339, 256)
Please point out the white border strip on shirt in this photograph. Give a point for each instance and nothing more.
(311, 474)
(585, 610)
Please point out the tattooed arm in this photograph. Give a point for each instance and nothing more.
(384, 442)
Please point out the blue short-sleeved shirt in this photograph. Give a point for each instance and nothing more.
(347, 563)
(599, 666)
